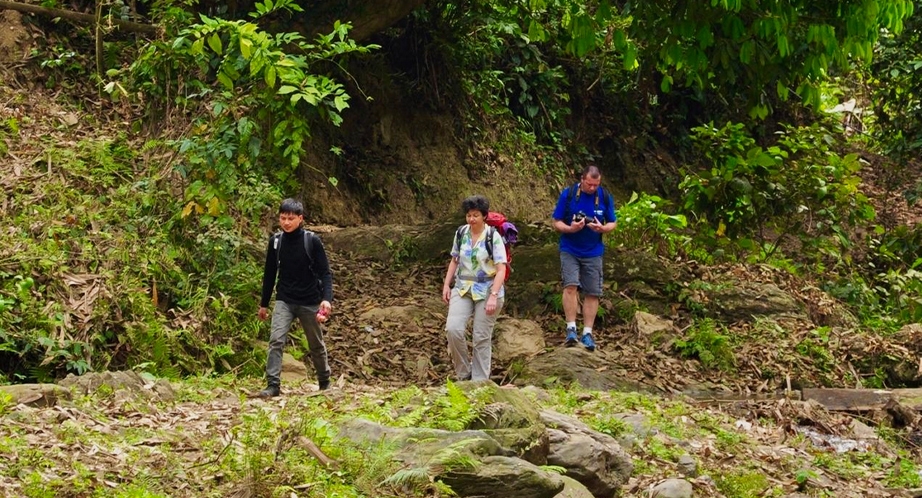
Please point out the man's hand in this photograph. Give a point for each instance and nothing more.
(262, 314)
(596, 226)
(323, 314)
(577, 225)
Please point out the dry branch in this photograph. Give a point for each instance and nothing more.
(315, 450)
(79, 17)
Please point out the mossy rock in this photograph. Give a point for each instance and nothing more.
(513, 419)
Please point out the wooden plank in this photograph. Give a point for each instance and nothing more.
(835, 399)
(863, 399)
(717, 397)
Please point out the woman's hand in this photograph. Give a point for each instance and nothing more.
(446, 293)
(491, 304)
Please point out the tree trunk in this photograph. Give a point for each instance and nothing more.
(79, 17)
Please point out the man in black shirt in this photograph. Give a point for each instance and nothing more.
(298, 270)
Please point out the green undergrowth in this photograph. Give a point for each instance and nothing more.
(98, 272)
(213, 440)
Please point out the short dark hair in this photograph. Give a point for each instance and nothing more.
(591, 171)
(291, 206)
(477, 202)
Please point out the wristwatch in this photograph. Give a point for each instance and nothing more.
(494, 293)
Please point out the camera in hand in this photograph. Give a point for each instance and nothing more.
(580, 216)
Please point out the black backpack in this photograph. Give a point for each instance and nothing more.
(308, 244)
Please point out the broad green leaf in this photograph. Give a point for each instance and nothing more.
(225, 80)
(630, 57)
(666, 84)
(215, 43)
(286, 89)
(782, 90)
(270, 76)
(197, 46)
(246, 48)
(340, 102)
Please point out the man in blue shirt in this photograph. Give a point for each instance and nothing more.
(584, 212)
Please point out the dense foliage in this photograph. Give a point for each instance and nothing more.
(230, 104)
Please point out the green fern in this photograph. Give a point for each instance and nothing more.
(409, 477)
(454, 411)
(455, 457)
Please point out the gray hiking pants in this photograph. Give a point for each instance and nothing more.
(460, 309)
(282, 316)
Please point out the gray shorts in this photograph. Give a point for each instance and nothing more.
(586, 273)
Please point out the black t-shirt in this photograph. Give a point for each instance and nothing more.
(299, 282)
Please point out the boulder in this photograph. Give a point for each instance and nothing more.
(592, 370)
(37, 395)
(420, 447)
(639, 428)
(573, 489)
(514, 338)
(122, 383)
(903, 369)
(512, 418)
(394, 243)
(655, 329)
(505, 477)
(594, 459)
(294, 370)
(643, 277)
(497, 472)
(688, 466)
(742, 301)
(673, 488)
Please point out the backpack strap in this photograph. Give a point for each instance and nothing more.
(489, 242)
(308, 246)
(571, 198)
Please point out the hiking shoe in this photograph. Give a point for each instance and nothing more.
(269, 392)
(324, 384)
(571, 337)
(588, 342)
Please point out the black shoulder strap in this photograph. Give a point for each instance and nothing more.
(571, 197)
(308, 246)
(489, 242)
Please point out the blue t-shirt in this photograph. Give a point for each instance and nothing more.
(584, 243)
